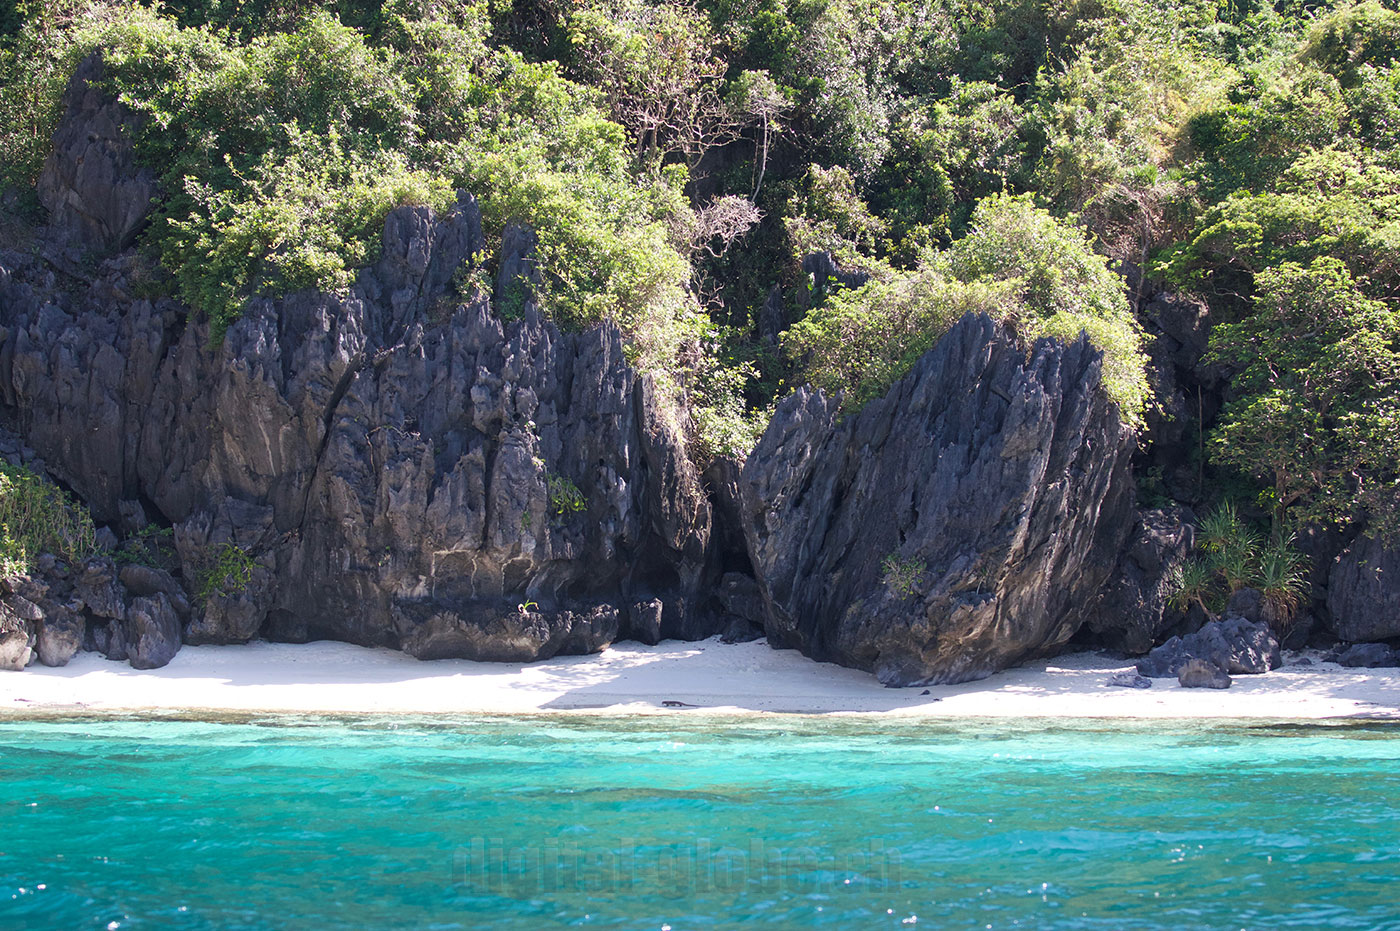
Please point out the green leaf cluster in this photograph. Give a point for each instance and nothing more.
(1232, 556)
(36, 517)
(1017, 263)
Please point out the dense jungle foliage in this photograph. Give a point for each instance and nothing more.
(680, 159)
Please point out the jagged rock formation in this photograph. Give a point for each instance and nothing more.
(401, 468)
(92, 187)
(959, 525)
(1363, 591)
(389, 466)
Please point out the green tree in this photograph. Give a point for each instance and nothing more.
(1316, 408)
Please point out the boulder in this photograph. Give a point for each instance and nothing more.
(59, 637)
(110, 640)
(741, 596)
(153, 632)
(510, 636)
(825, 276)
(1367, 656)
(1132, 611)
(1201, 674)
(999, 480)
(1247, 603)
(772, 317)
(1183, 323)
(1363, 591)
(644, 621)
(15, 652)
(1235, 645)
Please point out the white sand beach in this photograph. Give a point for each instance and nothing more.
(709, 677)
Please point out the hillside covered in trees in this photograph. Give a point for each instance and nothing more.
(766, 195)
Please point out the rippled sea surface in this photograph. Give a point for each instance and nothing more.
(684, 822)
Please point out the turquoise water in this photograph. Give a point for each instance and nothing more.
(682, 823)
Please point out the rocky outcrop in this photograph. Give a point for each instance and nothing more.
(1133, 610)
(959, 525)
(1363, 591)
(95, 193)
(393, 466)
(1234, 645)
(153, 632)
(389, 466)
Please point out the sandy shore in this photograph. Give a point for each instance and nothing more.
(633, 678)
(712, 677)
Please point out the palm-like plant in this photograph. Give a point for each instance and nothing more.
(1191, 582)
(1283, 578)
(1219, 528)
(1232, 544)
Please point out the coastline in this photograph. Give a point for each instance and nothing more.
(631, 678)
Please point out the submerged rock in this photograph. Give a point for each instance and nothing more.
(1201, 674)
(957, 526)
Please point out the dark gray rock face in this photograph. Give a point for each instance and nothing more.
(1363, 591)
(153, 632)
(1202, 674)
(1368, 656)
(959, 525)
(97, 585)
(144, 581)
(90, 184)
(740, 630)
(1132, 611)
(825, 275)
(108, 639)
(392, 466)
(1234, 645)
(741, 596)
